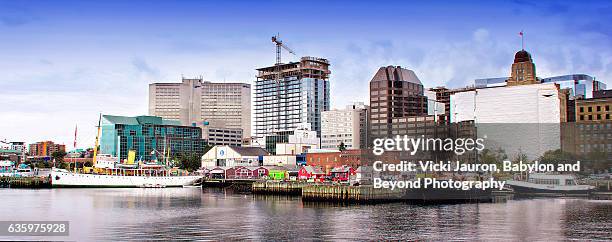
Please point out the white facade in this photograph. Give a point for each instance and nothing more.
(522, 118)
(537, 103)
(294, 148)
(304, 135)
(193, 101)
(228, 156)
(280, 160)
(344, 126)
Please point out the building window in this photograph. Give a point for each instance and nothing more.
(607, 107)
(590, 117)
(581, 117)
(598, 108)
(607, 116)
(598, 116)
(590, 109)
(581, 109)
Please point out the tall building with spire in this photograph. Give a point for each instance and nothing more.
(523, 70)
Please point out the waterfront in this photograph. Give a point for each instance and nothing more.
(192, 214)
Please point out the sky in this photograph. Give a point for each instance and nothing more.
(64, 62)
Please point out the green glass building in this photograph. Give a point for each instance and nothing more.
(149, 137)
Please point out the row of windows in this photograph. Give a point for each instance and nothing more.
(598, 108)
(597, 117)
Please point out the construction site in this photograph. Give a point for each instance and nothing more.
(287, 95)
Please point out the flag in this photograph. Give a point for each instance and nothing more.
(521, 33)
(75, 136)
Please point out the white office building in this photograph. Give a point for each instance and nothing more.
(203, 104)
(521, 118)
(348, 126)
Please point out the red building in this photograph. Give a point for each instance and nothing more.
(343, 173)
(238, 172)
(311, 173)
(330, 159)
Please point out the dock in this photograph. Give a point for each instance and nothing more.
(273, 187)
(336, 193)
(350, 194)
(239, 185)
(25, 182)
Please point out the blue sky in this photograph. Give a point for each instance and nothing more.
(63, 62)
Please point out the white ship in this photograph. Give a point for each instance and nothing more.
(64, 178)
(109, 173)
(541, 184)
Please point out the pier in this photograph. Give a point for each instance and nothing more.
(329, 192)
(350, 194)
(239, 185)
(271, 187)
(25, 182)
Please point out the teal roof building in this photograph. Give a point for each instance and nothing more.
(149, 137)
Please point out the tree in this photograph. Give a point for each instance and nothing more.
(556, 156)
(488, 156)
(520, 156)
(65, 165)
(342, 147)
(189, 162)
(59, 155)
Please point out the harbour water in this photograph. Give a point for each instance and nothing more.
(196, 214)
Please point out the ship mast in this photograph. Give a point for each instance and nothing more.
(95, 154)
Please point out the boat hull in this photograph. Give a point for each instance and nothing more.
(64, 179)
(529, 189)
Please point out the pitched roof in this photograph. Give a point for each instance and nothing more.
(341, 169)
(249, 151)
(313, 169)
(395, 73)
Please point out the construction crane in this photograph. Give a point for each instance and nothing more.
(279, 44)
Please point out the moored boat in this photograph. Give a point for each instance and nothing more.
(543, 184)
(120, 178)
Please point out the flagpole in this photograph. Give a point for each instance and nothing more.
(74, 147)
(522, 40)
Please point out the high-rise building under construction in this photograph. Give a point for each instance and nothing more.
(287, 95)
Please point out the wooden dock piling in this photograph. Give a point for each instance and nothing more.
(25, 182)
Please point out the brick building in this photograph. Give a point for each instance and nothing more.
(330, 159)
(395, 92)
(45, 148)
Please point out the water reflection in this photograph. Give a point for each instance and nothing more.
(191, 213)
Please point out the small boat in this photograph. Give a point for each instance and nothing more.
(544, 184)
(23, 170)
(6, 168)
(149, 185)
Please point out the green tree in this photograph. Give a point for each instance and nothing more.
(189, 162)
(556, 156)
(488, 156)
(64, 165)
(59, 155)
(342, 146)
